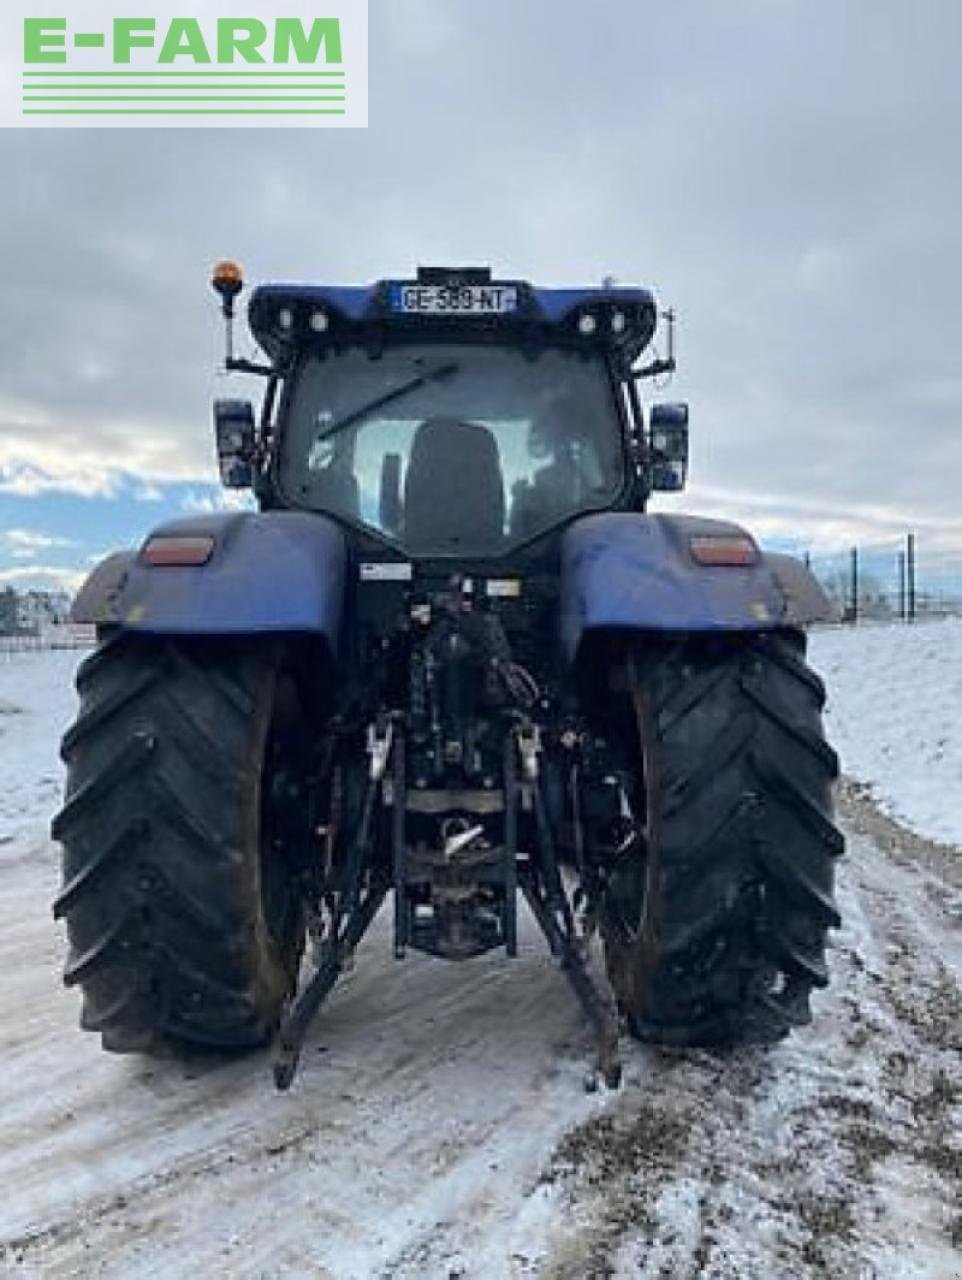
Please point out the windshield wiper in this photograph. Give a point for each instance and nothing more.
(420, 379)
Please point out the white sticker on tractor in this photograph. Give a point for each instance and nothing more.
(504, 588)
(386, 571)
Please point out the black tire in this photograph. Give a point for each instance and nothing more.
(182, 926)
(715, 931)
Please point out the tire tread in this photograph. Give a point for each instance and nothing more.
(161, 870)
(728, 938)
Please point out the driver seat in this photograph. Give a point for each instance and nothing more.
(453, 489)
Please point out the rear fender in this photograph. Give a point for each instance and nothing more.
(276, 571)
(805, 598)
(636, 572)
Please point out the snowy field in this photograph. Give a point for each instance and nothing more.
(895, 717)
(439, 1128)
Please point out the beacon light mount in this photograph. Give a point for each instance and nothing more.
(227, 281)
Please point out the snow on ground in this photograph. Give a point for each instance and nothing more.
(35, 701)
(438, 1128)
(895, 716)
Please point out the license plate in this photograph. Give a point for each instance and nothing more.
(454, 299)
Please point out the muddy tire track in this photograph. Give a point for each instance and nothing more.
(823, 1157)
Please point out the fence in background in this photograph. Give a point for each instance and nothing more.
(68, 636)
(907, 578)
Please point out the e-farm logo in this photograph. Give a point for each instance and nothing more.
(301, 65)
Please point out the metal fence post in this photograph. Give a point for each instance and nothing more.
(854, 586)
(910, 574)
(902, 585)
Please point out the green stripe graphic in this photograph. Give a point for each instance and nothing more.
(207, 74)
(250, 89)
(189, 97)
(177, 111)
(164, 90)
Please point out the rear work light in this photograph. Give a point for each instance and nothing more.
(172, 552)
(731, 550)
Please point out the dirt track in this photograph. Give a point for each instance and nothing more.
(439, 1127)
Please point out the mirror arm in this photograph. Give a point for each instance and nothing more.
(659, 366)
(640, 452)
(654, 369)
(237, 364)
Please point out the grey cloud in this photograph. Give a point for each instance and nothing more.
(787, 175)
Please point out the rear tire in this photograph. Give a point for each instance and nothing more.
(715, 930)
(182, 925)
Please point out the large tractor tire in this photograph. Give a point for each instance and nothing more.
(715, 928)
(181, 915)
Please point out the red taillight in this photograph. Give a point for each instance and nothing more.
(724, 551)
(174, 551)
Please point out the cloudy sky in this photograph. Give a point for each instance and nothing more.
(787, 174)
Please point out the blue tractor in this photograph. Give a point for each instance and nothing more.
(450, 661)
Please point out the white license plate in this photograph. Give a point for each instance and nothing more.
(454, 299)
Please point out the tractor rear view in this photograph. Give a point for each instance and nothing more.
(450, 661)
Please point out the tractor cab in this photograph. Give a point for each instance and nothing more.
(452, 416)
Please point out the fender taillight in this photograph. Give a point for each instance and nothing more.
(173, 552)
(727, 550)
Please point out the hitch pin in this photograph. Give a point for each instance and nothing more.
(529, 746)
(379, 749)
(454, 844)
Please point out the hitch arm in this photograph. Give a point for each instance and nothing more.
(351, 918)
(298, 1020)
(541, 883)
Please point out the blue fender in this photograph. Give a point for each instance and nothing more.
(268, 571)
(630, 571)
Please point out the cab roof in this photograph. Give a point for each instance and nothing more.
(464, 303)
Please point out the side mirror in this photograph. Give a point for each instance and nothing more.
(234, 429)
(668, 443)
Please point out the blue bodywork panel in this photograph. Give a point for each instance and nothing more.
(624, 570)
(360, 306)
(270, 571)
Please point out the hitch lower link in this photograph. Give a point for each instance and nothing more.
(351, 918)
(543, 887)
